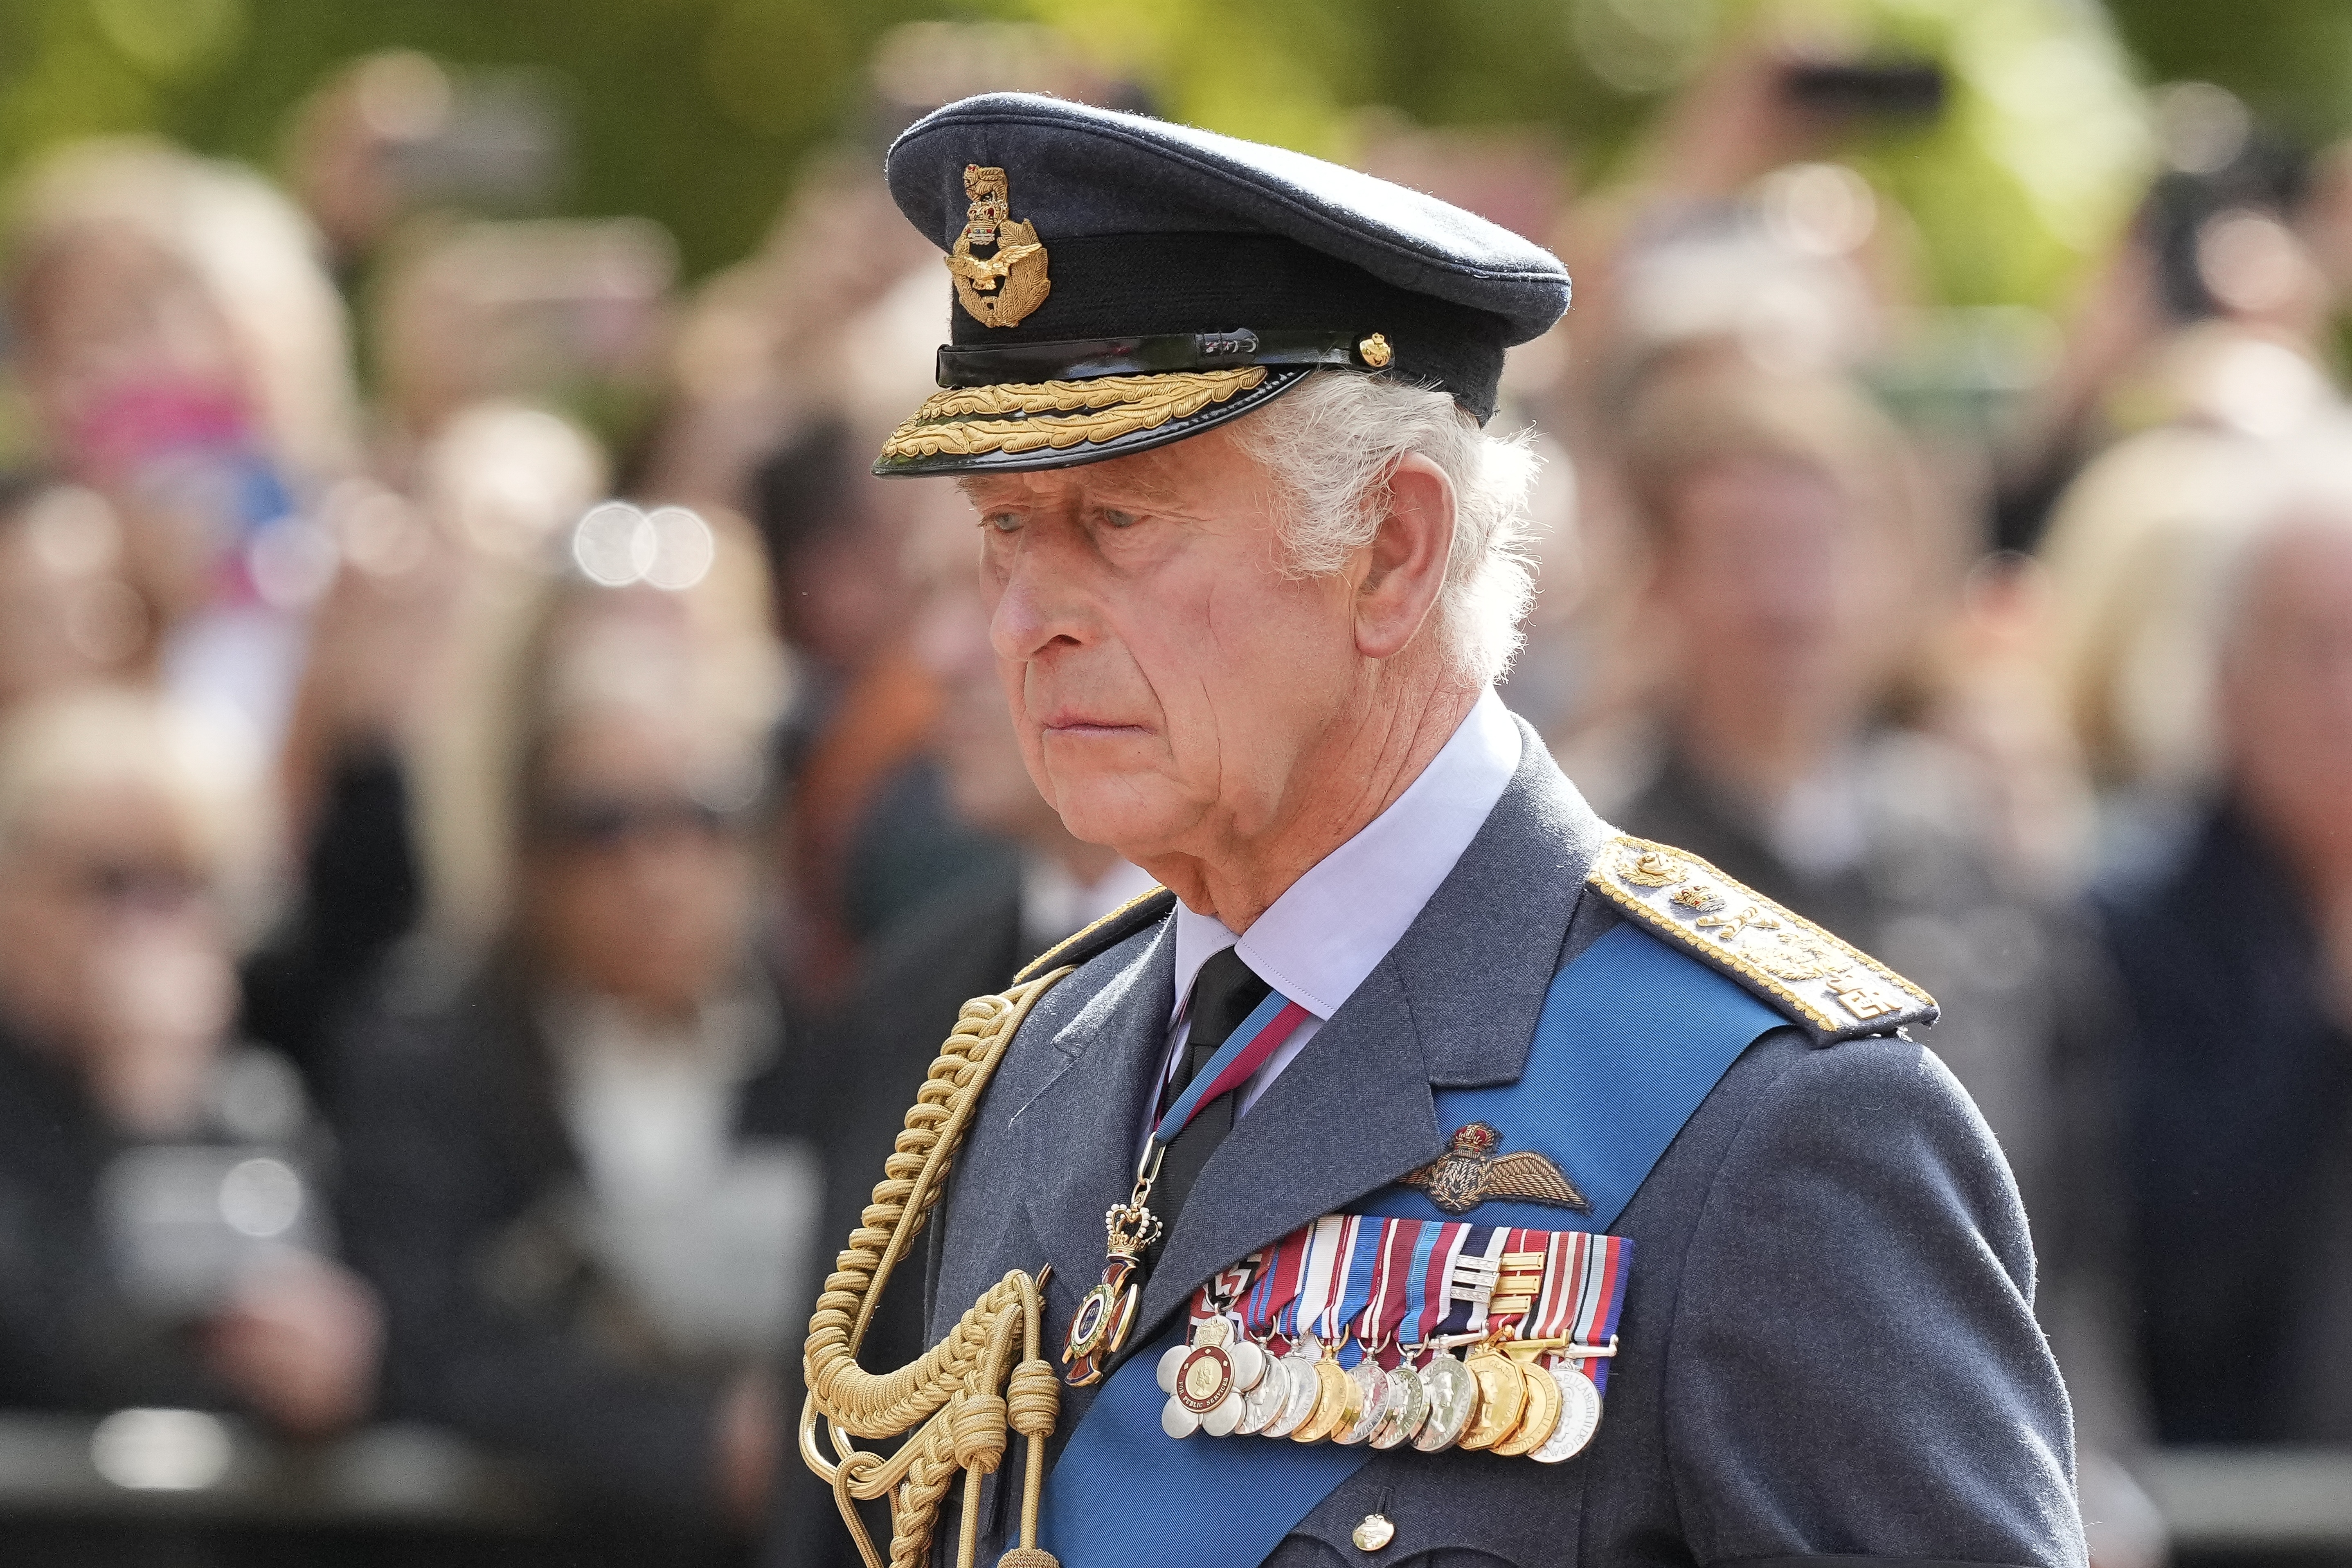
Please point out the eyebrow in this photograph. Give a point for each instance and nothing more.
(1141, 483)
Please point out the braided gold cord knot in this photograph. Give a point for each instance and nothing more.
(1033, 1398)
(947, 1404)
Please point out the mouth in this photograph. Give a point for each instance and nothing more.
(1089, 727)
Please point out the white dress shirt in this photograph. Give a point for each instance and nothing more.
(1332, 927)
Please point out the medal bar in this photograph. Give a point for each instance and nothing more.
(1347, 1331)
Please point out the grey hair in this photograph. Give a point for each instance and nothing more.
(1330, 445)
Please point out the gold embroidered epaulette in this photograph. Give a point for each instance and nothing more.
(1144, 909)
(1836, 990)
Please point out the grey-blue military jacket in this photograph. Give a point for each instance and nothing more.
(1828, 1351)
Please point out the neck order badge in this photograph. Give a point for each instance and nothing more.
(1106, 1314)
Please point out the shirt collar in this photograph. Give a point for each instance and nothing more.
(1315, 943)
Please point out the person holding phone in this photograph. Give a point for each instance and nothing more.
(162, 1239)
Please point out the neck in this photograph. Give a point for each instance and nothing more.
(1371, 757)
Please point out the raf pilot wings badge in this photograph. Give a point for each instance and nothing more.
(1471, 1172)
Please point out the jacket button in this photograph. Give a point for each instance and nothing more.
(1375, 1532)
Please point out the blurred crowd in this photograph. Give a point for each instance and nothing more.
(485, 864)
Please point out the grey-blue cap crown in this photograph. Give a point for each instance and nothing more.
(1080, 172)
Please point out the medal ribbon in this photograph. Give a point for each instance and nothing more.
(1363, 1266)
(1435, 1286)
(1524, 1278)
(1277, 1286)
(1216, 1298)
(1401, 1250)
(1330, 1247)
(1472, 1284)
(1245, 1050)
(1584, 1279)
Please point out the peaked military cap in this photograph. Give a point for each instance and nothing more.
(1120, 282)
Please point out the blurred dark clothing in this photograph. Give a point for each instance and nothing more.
(69, 1339)
(462, 1204)
(2237, 1088)
(362, 892)
(911, 846)
(76, 1333)
(870, 832)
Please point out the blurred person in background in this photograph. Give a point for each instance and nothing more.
(2236, 953)
(2215, 310)
(574, 312)
(1783, 515)
(184, 354)
(587, 1156)
(871, 833)
(162, 1229)
(423, 584)
(396, 132)
(67, 616)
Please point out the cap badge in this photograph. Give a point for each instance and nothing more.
(998, 290)
(1470, 1172)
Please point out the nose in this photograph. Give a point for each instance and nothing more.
(1044, 599)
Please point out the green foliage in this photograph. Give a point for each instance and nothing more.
(693, 111)
(2291, 59)
(697, 111)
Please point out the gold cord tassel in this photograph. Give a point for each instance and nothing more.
(959, 1403)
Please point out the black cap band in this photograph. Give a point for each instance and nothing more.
(1082, 359)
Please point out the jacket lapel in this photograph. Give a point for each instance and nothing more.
(1079, 1130)
(1454, 1004)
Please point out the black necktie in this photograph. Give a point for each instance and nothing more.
(1224, 994)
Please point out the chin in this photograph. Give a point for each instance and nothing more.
(1116, 811)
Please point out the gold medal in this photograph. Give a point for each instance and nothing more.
(1541, 1415)
(1334, 1392)
(1502, 1396)
(1453, 1404)
(1107, 1313)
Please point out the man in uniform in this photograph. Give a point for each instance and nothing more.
(1255, 569)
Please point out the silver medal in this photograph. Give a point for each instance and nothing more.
(1408, 1407)
(1298, 1368)
(1262, 1404)
(1452, 1400)
(1580, 1415)
(1367, 1377)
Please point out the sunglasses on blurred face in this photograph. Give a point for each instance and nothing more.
(599, 822)
(153, 886)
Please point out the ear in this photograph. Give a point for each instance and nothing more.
(1405, 567)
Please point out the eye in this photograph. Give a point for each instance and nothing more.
(1121, 519)
(1003, 521)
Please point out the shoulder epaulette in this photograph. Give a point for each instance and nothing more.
(1836, 991)
(1141, 910)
